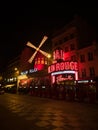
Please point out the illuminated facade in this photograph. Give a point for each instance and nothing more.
(40, 61)
(77, 42)
(74, 58)
(36, 68)
(62, 70)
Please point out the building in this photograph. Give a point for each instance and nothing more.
(78, 41)
(10, 74)
(75, 57)
(35, 71)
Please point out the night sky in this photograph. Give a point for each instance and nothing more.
(27, 21)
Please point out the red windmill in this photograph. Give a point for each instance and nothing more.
(41, 56)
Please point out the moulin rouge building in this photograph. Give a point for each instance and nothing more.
(75, 53)
(62, 70)
(74, 57)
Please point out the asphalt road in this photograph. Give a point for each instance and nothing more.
(24, 112)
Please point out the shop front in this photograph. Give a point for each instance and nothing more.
(63, 71)
(63, 79)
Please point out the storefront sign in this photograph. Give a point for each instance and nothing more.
(63, 66)
(60, 78)
(29, 71)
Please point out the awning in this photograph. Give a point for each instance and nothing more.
(9, 85)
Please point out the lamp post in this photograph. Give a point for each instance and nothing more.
(16, 75)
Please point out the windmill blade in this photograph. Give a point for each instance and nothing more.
(43, 40)
(37, 48)
(31, 45)
(32, 57)
(42, 52)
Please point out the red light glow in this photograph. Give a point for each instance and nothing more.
(39, 66)
(58, 54)
(63, 66)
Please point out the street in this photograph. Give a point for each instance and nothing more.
(25, 112)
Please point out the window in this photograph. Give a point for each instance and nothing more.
(82, 58)
(71, 36)
(46, 62)
(90, 56)
(56, 44)
(92, 71)
(38, 61)
(66, 49)
(73, 58)
(65, 38)
(42, 61)
(60, 41)
(72, 47)
(83, 73)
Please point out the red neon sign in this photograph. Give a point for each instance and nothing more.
(60, 78)
(58, 54)
(63, 66)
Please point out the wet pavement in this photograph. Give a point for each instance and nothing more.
(23, 112)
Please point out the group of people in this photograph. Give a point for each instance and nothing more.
(79, 92)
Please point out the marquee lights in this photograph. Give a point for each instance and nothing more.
(63, 72)
(83, 81)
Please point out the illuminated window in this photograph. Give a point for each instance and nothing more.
(46, 62)
(42, 61)
(38, 60)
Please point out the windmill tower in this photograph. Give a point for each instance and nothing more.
(39, 56)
